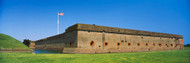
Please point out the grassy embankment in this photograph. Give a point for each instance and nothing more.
(9, 43)
(174, 56)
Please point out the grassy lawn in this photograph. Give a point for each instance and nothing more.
(175, 56)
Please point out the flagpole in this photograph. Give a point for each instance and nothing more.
(58, 23)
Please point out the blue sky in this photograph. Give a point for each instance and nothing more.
(36, 19)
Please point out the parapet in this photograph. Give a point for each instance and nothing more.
(96, 28)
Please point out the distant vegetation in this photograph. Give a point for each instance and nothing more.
(174, 56)
(8, 42)
(187, 45)
(26, 42)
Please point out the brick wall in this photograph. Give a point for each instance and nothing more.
(65, 40)
(127, 43)
(84, 38)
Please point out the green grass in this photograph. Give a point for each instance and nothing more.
(174, 56)
(8, 42)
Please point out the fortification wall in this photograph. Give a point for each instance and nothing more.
(127, 43)
(84, 38)
(32, 45)
(59, 42)
(87, 27)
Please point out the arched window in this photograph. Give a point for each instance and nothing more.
(167, 45)
(118, 43)
(146, 44)
(106, 43)
(125, 40)
(154, 44)
(176, 45)
(122, 40)
(92, 43)
(138, 44)
(160, 44)
(129, 43)
(70, 43)
(171, 44)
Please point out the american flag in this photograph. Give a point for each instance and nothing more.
(60, 13)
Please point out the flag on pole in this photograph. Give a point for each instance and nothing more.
(60, 13)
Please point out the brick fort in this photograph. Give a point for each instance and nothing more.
(85, 38)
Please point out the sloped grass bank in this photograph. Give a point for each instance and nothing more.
(10, 43)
